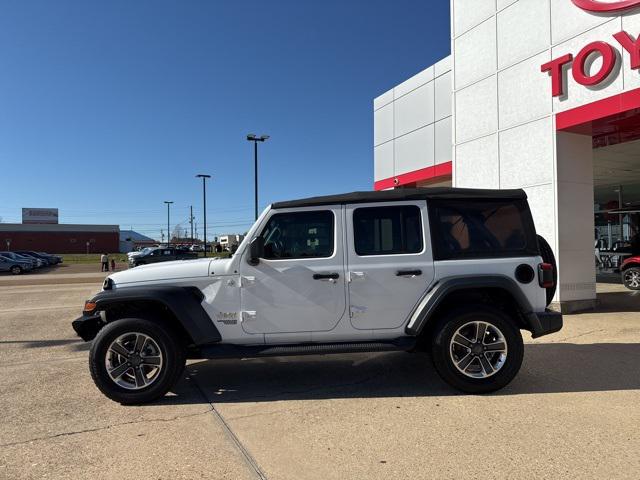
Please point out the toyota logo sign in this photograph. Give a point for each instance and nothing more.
(606, 6)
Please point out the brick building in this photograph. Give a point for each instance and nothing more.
(60, 238)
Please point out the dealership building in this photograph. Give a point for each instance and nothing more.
(542, 95)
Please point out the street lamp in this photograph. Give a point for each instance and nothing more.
(168, 216)
(204, 206)
(253, 138)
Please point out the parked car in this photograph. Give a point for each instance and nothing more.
(196, 248)
(163, 254)
(35, 263)
(14, 266)
(457, 273)
(53, 259)
(28, 253)
(138, 253)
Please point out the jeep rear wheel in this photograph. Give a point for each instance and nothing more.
(135, 361)
(16, 270)
(631, 278)
(477, 349)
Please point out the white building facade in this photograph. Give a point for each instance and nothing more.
(542, 95)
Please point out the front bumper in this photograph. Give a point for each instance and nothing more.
(88, 325)
(546, 322)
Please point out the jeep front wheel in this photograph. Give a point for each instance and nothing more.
(134, 361)
(477, 349)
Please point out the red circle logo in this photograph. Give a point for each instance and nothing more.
(604, 6)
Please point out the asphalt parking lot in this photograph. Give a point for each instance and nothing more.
(573, 411)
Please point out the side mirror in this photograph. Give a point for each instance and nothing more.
(256, 250)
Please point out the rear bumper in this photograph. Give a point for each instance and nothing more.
(88, 326)
(547, 322)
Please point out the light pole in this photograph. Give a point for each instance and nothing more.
(168, 217)
(204, 206)
(191, 222)
(253, 138)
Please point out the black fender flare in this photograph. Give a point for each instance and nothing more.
(185, 303)
(424, 311)
(630, 265)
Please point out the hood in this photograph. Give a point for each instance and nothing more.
(178, 269)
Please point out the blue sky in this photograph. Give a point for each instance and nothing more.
(109, 108)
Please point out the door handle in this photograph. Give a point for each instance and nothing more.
(326, 276)
(408, 273)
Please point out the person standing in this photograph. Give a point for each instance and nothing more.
(104, 260)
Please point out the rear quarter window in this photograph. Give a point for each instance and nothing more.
(481, 229)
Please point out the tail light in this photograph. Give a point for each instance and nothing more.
(545, 275)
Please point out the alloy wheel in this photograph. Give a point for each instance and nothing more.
(478, 349)
(134, 361)
(632, 278)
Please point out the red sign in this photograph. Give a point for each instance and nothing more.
(578, 64)
(604, 6)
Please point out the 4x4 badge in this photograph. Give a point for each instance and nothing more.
(228, 318)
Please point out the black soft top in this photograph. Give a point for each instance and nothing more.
(406, 194)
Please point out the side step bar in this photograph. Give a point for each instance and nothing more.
(250, 351)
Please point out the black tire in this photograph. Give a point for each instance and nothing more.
(173, 360)
(548, 257)
(443, 358)
(16, 270)
(631, 277)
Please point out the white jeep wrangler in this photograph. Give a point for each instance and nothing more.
(454, 272)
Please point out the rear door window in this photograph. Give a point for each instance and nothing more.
(392, 230)
(481, 228)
